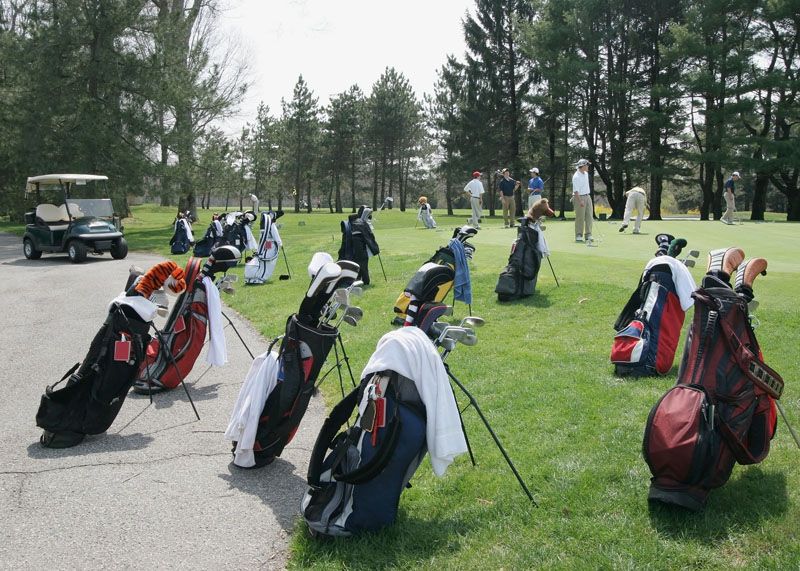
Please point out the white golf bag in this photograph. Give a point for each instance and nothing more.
(260, 268)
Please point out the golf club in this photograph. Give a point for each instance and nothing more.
(473, 321)
(288, 273)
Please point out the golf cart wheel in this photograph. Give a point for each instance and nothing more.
(119, 249)
(76, 251)
(30, 250)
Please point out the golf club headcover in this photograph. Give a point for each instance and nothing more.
(166, 274)
(663, 241)
(222, 259)
(428, 313)
(746, 274)
(676, 246)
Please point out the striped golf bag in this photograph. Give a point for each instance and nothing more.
(356, 476)
(184, 335)
(722, 409)
(302, 353)
(260, 268)
(649, 326)
(518, 279)
(95, 392)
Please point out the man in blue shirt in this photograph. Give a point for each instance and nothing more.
(535, 187)
(730, 201)
(506, 188)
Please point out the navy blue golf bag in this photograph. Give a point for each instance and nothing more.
(211, 239)
(356, 487)
(182, 237)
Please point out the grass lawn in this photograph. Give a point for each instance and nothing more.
(541, 375)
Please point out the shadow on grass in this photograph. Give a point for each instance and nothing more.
(403, 545)
(538, 299)
(746, 502)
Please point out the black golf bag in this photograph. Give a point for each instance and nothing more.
(95, 392)
(182, 238)
(236, 231)
(358, 241)
(518, 279)
(284, 380)
(211, 239)
(259, 269)
(722, 410)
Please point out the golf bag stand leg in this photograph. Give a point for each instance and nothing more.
(464, 428)
(474, 403)
(552, 270)
(168, 354)
(384, 271)
(238, 335)
(346, 360)
(786, 420)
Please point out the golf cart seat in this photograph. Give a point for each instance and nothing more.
(54, 216)
(75, 210)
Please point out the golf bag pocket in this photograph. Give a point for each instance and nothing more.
(258, 270)
(356, 476)
(682, 446)
(302, 354)
(646, 345)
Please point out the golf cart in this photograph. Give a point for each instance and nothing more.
(64, 222)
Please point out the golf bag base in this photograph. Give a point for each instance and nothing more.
(356, 487)
(722, 411)
(95, 392)
(518, 278)
(302, 354)
(649, 327)
(258, 270)
(680, 498)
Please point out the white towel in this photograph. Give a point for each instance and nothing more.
(409, 352)
(144, 307)
(252, 244)
(684, 282)
(188, 228)
(217, 351)
(260, 381)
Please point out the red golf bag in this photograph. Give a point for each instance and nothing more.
(722, 410)
(184, 335)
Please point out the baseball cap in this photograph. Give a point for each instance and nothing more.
(534, 169)
(476, 174)
(736, 173)
(582, 163)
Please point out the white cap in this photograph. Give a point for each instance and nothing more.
(534, 169)
(582, 163)
(736, 173)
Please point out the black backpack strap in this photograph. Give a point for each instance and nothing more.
(330, 428)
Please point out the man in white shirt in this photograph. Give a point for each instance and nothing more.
(582, 202)
(475, 190)
(636, 200)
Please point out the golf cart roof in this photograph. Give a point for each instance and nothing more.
(61, 178)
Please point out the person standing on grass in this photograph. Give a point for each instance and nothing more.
(730, 200)
(582, 201)
(506, 188)
(637, 200)
(535, 187)
(475, 190)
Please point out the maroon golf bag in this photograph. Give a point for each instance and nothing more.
(722, 410)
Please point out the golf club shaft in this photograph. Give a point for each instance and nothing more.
(285, 259)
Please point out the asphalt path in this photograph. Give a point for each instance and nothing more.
(158, 489)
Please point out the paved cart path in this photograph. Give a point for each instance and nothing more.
(157, 490)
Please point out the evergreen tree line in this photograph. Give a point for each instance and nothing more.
(668, 96)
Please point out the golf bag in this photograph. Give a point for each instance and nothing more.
(96, 388)
(722, 410)
(426, 215)
(358, 241)
(518, 279)
(406, 409)
(431, 283)
(211, 239)
(649, 326)
(260, 268)
(286, 379)
(182, 238)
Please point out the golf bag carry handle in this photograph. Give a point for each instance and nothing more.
(761, 375)
(328, 439)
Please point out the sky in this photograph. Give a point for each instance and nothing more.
(337, 43)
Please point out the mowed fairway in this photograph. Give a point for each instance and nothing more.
(541, 374)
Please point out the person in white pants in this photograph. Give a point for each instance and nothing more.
(475, 190)
(637, 200)
(582, 202)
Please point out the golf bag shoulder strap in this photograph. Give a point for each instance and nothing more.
(328, 439)
(761, 375)
(67, 374)
(330, 428)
